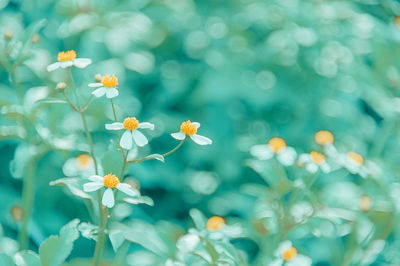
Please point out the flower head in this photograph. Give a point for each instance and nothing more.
(276, 146)
(81, 165)
(313, 161)
(356, 158)
(215, 223)
(324, 137)
(287, 254)
(355, 163)
(107, 85)
(109, 182)
(131, 134)
(84, 161)
(68, 59)
(189, 129)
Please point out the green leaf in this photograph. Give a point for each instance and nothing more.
(112, 162)
(52, 101)
(6, 260)
(54, 251)
(28, 258)
(139, 200)
(74, 184)
(198, 218)
(117, 237)
(69, 232)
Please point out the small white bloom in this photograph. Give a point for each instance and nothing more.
(354, 163)
(81, 165)
(287, 255)
(107, 86)
(109, 182)
(131, 134)
(68, 59)
(313, 161)
(275, 147)
(189, 129)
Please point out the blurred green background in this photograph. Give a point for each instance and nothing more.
(246, 70)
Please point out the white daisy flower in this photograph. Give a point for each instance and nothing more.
(276, 146)
(313, 161)
(68, 59)
(354, 163)
(82, 165)
(131, 124)
(189, 129)
(326, 139)
(287, 255)
(107, 86)
(109, 182)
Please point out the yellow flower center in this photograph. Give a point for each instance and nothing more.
(66, 56)
(355, 157)
(109, 82)
(277, 144)
(215, 223)
(365, 203)
(289, 254)
(110, 181)
(317, 157)
(131, 123)
(324, 137)
(188, 128)
(83, 160)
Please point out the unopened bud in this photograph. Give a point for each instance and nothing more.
(365, 203)
(17, 213)
(61, 85)
(97, 77)
(35, 38)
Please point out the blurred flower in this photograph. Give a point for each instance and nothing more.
(107, 86)
(354, 163)
(17, 213)
(287, 255)
(61, 85)
(8, 34)
(131, 124)
(313, 161)
(82, 165)
(109, 182)
(68, 59)
(276, 146)
(189, 129)
(215, 223)
(35, 38)
(365, 203)
(324, 137)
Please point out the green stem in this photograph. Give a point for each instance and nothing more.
(28, 195)
(164, 155)
(100, 239)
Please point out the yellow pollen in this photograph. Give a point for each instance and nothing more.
(188, 128)
(131, 123)
(109, 82)
(110, 181)
(317, 157)
(83, 160)
(324, 137)
(277, 144)
(355, 157)
(289, 254)
(215, 223)
(66, 56)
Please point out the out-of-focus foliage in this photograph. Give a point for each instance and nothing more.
(247, 70)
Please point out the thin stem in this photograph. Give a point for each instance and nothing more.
(28, 195)
(164, 155)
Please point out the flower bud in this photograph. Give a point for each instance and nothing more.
(97, 77)
(61, 85)
(8, 34)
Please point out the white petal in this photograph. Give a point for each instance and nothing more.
(304, 158)
(99, 92)
(126, 140)
(325, 167)
(285, 245)
(115, 126)
(66, 64)
(96, 178)
(312, 167)
(82, 62)
(95, 85)
(127, 189)
(111, 93)
(196, 124)
(262, 152)
(53, 66)
(92, 186)
(287, 156)
(108, 198)
(178, 135)
(146, 125)
(201, 140)
(299, 260)
(139, 138)
(276, 262)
